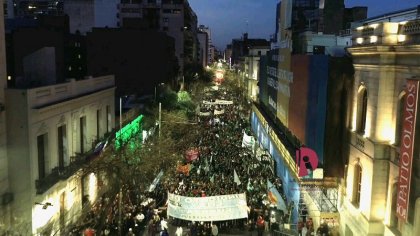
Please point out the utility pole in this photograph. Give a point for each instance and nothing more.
(160, 118)
(119, 172)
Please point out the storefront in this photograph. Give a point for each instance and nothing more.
(267, 139)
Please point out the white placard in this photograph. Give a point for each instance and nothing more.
(214, 208)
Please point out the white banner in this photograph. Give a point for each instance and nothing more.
(223, 102)
(205, 114)
(218, 102)
(215, 208)
(219, 112)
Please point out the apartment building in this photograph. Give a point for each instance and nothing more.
(49, 130)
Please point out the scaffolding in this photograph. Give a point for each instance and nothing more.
(323, 193)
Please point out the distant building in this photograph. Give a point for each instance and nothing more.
(210, 53)
(49, 131)
(228, 54)
(86, 14)
(174, 17)
(140, 60)
(32, 8)
(240, 47)
(67, 58)
(203, 50)
(251, 69)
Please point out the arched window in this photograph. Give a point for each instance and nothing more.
(357, 184)
(361, 111)
(399, 120)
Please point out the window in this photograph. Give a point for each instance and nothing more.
(165, 19)
(42, 145)
(361, 111)
(62, 146)
(83, 140)
(357, 184)
(108, 118)
(98, 124)
(399, 122)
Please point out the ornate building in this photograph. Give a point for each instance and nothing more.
(386, 56)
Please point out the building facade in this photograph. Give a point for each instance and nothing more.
(86, 14)
(5, 196)
(304, 82)
(251, 68)
(385, 55)
(210, 50)
(174, 17)
(49, 130)
(203, 50)
(120, 52)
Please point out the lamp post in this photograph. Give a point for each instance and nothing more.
(119, 172)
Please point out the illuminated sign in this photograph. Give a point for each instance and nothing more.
(306, 158)
(406, 148)
(128, 132)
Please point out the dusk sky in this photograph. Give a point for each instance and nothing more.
(229, 19)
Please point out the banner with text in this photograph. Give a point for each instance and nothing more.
(407, 147)
(215, 208)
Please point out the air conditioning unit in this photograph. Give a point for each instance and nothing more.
(6, 198)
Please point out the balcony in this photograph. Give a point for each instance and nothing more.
(63, 173)
(76, 163)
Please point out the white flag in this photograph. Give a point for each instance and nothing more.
(236, 178)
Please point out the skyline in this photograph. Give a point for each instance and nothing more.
(228, 20)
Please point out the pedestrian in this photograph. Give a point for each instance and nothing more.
(178, 231)
(260, 225)
(130, 232)
(151, 229)
(214, 230)
(164, 233)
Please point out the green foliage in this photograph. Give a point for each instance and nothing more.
(183, 96)
(169, 99)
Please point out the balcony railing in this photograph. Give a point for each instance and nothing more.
(61, 173)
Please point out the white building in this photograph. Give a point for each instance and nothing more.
(210, 47)
(251, 67)
(48, 130)
(385, 55)
(325, 44)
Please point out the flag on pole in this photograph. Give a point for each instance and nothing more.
(275, 197)
(212, 179)
(236, 178)
(249, 186)
(207, 167)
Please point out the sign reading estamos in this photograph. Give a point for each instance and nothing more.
(406, 148)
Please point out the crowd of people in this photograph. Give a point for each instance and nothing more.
(222, 155)
(224, 165)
